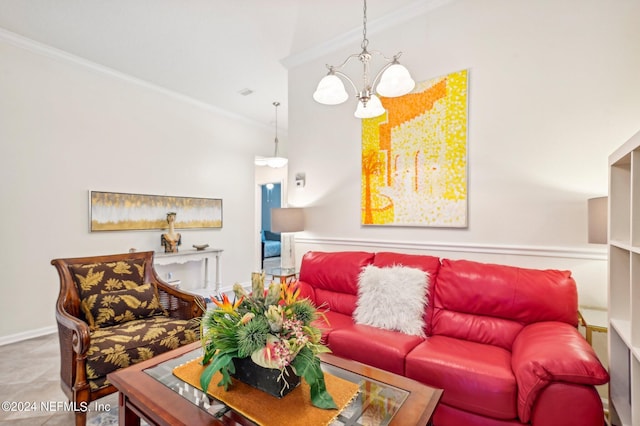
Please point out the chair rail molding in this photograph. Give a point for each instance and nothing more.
(573, 252)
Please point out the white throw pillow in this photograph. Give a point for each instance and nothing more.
(393, 298)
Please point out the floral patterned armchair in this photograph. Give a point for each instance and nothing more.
(114, 311)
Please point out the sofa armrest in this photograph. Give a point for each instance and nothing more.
(547, 352)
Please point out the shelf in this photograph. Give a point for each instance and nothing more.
(619, 283)
(624, 283)
(623, 329)
(622, 245)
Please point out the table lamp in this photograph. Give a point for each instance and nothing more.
(597, 217)
(287, 221)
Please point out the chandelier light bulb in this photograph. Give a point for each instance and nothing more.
(395, 81)
(372, 109)
(330, 91)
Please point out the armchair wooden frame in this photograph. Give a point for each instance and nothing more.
(74, 332)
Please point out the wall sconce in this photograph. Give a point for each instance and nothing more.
(300, 180)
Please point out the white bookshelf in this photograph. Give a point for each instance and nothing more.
(624, 283)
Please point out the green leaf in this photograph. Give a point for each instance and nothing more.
(220, 363)
(226, 372)
(308, 366)
(320, 397)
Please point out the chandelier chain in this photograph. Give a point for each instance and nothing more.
(276, 104)
(391, 81)
(365, 41)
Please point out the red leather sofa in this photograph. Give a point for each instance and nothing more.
(501, 341)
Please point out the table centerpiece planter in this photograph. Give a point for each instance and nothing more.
(269, 380)
(265, 339)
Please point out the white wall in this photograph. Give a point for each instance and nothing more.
(553, 90)
(65, 129)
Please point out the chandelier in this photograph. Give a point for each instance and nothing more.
(276, 161)
(391, 81)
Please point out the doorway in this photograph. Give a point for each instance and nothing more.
(271, 197)
(277, 197)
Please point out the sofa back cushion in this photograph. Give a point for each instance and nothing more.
(99, 278)
(334, 277)
(428, 264)
(120, 306)
(490, 303)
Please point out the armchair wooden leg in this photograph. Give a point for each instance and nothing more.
(81, 418)
(81, 394)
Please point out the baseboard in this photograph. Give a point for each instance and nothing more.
(26, 335)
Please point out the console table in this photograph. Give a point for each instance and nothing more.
(192, 255)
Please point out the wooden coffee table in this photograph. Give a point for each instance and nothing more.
(149, 390)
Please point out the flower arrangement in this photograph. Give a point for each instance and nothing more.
(271, 327)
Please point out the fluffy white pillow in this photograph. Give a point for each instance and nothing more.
(393, 298)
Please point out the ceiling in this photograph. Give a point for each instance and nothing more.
(207, 50)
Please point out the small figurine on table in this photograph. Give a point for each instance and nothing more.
(171, 239)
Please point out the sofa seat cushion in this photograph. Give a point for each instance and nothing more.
(373, 346)
(125, 344)
(475, 377)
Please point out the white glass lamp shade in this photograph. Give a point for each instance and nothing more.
(373, 109)
(276, 162)
(597, 218)
(330, 91)
(395, 81)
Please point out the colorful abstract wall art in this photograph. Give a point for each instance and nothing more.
(414, 157)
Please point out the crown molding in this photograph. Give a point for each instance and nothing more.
(58, 54)
(578, 252)
(390, 20)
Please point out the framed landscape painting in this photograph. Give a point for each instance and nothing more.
(115, 211)
(414, 157)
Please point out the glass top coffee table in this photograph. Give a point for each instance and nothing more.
(149, 390)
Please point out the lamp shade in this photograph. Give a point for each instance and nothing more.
(372, 109)
(287, 220)
(276, 162)
(330, 91)
(395, 81)
(597, 216)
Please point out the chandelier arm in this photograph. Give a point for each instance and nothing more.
(337, 67)
(346, 77)
(393, 59)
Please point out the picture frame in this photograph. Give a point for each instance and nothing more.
(119, 211)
